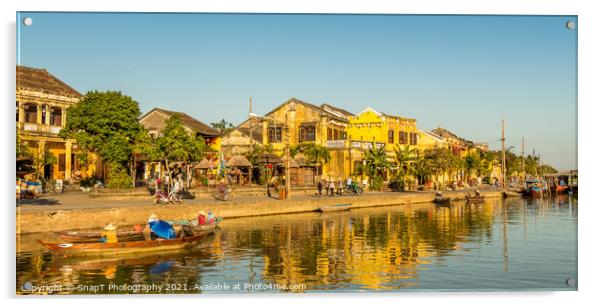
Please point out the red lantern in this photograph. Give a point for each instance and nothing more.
(270, 166)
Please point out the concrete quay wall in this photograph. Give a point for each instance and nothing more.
(49, 220)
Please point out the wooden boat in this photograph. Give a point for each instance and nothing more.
(442, 200)
(475, 199)
(561, 189)
(333, 208)
(533, 191)
(509, 193)
(94, 236)
(124, 247)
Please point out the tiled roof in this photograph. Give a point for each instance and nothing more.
(36, 79)
(191, 122)
(447, 134)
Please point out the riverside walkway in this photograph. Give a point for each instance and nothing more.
(77, 210)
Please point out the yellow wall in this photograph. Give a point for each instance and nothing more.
(372, 126)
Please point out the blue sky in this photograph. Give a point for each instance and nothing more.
(463, 73)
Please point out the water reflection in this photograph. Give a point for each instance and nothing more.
(460, 246)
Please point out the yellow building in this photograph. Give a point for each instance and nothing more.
(373, 127)
(295, 121)
(41, 111)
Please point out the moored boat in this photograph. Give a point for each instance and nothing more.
(562, 189)
(439, 199)
(94, 236)
(477, 198)
(337, 207)
(535, 188)
(124, 247)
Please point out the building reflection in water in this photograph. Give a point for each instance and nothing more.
(383, 248)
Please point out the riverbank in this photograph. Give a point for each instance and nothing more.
(81, 212)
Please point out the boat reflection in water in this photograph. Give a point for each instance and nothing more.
(499, 244)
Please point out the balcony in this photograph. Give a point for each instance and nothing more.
(335, 144)
(30, 127)
(365, 145)
(55, 129)
(51, 129)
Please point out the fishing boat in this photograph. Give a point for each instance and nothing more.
(439, 199)
(561, 189)
(94, 236)
(333, 208)
(510, 193)
(123, 235)
(143, 246)
(535, 188)
(474, 199)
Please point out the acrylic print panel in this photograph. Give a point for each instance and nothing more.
(250, 153)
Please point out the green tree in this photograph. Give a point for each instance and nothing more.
(405, 158)
(471, 163)
(106, 123)
(257, 157)
(443, 162)
(315, 155)
(177, 145)
(377, 165)
(424, 168)
(223, 126)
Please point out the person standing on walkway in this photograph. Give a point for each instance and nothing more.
(331, 187)
(320, 187)
(340, 191)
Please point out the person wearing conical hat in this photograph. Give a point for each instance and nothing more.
(109, 234)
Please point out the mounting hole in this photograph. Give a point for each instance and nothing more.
(27, 21)
(570, 25)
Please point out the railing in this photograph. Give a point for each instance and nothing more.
(365, 145)
(335, 144)
(41, 128)
(30, 127)
(55, 129)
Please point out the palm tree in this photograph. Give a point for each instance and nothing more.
(223, 126)
(405, 158)
(471, 163)
(315, 155)
(377, 164)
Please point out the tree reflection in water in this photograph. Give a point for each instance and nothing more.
(384, 248)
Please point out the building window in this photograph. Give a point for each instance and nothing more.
(391, 136)
(31, 113)
(56, 118)
(307, 134)
(413, 138)
(45, 109)
(62, 162)
(275, 134)
(329, 134)
(403, 137)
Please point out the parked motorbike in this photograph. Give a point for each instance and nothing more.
(223, 193)
(160, 198)
(353, 189)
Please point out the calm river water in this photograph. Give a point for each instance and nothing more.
(513, 244)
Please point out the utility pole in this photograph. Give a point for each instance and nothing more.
(503, 157)
(523, 161)
(251, 119)
(287, 175)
